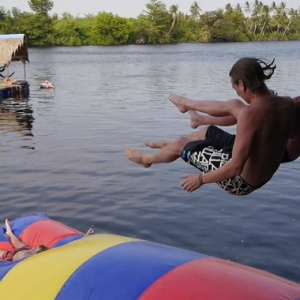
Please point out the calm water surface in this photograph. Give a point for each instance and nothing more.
(62, 151)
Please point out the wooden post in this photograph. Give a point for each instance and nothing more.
(24, 70)
(7, 70)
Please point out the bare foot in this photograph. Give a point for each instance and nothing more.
(8, 228)
(137, 157)
(196, 119)
(179, 102)
(156, 145)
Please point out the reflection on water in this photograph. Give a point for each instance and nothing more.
(16, 116)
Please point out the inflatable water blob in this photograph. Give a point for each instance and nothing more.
(112, 267)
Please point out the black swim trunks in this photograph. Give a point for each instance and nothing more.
(211, 154)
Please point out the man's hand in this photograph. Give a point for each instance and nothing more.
(192, 182)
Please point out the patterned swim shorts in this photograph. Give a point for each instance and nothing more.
(211, 154)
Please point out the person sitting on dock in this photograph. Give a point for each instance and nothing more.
(21, 250)
(7, 81)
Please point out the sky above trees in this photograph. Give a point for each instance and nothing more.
(126, 8)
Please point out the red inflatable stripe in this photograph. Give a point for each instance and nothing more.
(214, 279)
(46, 232)
(6, 246)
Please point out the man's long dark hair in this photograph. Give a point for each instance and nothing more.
(252, 72)
(42, 248)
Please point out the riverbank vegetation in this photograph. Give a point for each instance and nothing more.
(157, 24)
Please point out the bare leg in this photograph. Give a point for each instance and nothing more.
(14, 240)
(199, 135)
(158, 145)
(165, 155)
(196, 121)
(213, 108)
(1, 253)
(199, 119)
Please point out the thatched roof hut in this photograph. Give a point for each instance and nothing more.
(13, 47)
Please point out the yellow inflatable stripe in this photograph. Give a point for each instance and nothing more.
(41, 276)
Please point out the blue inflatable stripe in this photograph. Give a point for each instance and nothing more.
(19, 224)
(3, 237)
(126, 271)
(68, 240)
(6, 266)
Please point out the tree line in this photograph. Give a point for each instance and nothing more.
(157, 24)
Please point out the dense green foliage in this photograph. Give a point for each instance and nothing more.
(156, 24)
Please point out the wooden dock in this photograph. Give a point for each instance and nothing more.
(18, 91)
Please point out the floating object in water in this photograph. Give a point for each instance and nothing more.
(111, 267)
(47, 85)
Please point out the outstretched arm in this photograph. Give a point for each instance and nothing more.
(241, 150)
(240, 154)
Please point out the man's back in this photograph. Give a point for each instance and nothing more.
(274, 121)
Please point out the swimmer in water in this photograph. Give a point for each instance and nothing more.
(47, 85)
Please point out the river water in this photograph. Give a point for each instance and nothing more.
(62, 151)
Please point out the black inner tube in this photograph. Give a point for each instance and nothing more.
(21, 82)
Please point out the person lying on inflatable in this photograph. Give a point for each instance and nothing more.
(22, 250)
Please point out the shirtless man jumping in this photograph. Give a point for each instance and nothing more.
(292, 151)
(243, 163)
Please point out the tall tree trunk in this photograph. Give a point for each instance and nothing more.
(172, 26)
(287, 28)
(263, 28)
